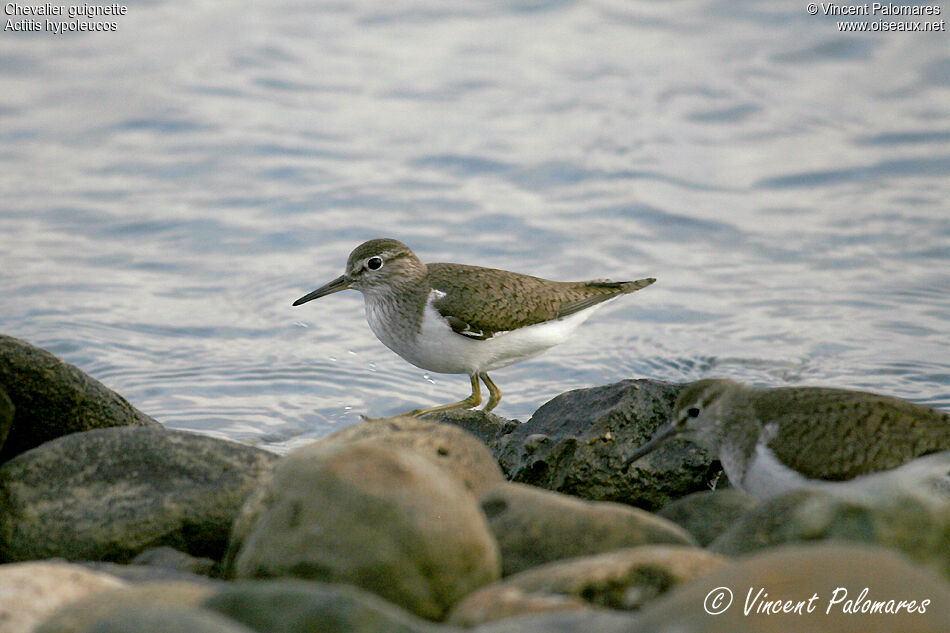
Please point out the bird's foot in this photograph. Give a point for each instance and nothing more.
(473, 400)
(468, 403)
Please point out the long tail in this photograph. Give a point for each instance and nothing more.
(626, 286)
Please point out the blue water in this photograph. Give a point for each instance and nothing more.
(170, 188)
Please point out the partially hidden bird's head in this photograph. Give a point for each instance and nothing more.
(375, 267)
(696, 416)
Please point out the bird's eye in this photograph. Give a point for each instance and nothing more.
(374, 263)
(693, 412)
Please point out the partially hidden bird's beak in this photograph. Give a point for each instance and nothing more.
(338, 284)
(664, 433)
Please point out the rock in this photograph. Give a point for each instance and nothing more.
(837, 573)
(109, 494)
(53, 398)
(164, 619)
(507, 603)
(384, 519)
(487, 427)
(246, 519)
(82, 615)
(454, 449)
(916, 524)
(30, 592)
(141, 574)
(7, 411)
(297, 606)
(624, 579)
(578, 442)
(708, 514)
(589, 621)
(171, 558)
(535, 526)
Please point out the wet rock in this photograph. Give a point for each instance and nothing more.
(165, 619)
(535, 526)
(706, 515)
(916, 524)
(297, 606)
(81, 616)
(451, 447)
(384, 519)
(52, 398)
(625, 579)
(837, 573)
(578, 442)
(109, 494)
(30, 592)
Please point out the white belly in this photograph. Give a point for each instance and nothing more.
(766, 477)
(437, 348)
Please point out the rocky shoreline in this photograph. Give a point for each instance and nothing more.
(111, 523)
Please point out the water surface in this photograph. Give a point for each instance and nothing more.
(169, 189)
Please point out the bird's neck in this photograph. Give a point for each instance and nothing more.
(732, 427)
(397, 307)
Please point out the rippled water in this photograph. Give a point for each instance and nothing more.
(169, 189)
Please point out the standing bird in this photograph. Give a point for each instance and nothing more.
(459, 319)
(773, 440)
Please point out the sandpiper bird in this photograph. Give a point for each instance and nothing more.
(459, 319)
(773, 440)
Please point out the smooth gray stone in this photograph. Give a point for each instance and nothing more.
(52, 398)
(109, 494)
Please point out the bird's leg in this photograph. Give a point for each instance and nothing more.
(472, 401)
(494, 393)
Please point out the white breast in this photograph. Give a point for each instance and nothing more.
(765, 476)
(761, 474)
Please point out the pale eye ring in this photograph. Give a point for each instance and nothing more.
(693, 412)
(374, 263)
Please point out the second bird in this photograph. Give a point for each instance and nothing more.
(770, 441)
(459, 319)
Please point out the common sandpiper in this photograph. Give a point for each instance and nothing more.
(770, 441)
(460, 319)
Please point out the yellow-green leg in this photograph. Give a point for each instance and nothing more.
(472, 401)
(494, 393)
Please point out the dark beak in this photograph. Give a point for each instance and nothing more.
(664, 433)
(338, 284)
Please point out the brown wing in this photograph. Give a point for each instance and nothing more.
(480, 301)
(867, 432)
